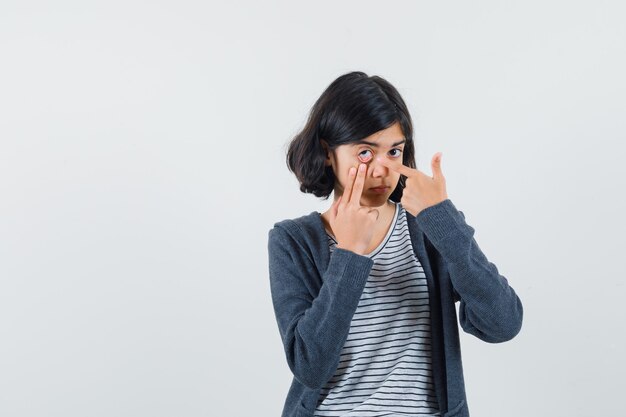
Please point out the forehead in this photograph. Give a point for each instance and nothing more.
(392, 136)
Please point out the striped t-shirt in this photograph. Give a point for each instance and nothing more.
(385, 364)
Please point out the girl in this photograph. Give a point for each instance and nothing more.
(364, 293)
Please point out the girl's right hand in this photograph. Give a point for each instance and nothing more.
(353, 224)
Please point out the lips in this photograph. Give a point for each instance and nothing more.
(380, 190)
(382, 187)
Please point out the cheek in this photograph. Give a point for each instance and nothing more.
(341, 172)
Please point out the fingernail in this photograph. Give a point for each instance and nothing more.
(362, 167)
(352, 170)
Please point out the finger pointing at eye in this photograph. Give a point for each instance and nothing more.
(402, 169)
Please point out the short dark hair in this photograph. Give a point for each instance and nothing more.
(351, 108)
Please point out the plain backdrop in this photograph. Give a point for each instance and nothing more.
(142, 163)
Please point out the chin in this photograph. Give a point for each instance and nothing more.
(377, 200)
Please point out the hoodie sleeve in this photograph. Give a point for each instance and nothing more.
(313, 327)
(490, 309)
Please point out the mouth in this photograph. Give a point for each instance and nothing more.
(379, 190)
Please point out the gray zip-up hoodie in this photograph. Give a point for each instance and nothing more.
(315, 294)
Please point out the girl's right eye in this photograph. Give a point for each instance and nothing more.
(365, 158)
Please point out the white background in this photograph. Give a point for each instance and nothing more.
(142, 163)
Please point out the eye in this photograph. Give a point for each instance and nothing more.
(399, 152)
(363, 157)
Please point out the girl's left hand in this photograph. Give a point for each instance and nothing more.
(420, 191)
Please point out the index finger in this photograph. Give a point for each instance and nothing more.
(400, 168)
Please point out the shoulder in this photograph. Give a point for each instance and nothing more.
(304, 221)
(299, 228)
(301, 238)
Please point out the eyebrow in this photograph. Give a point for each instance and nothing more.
(376, 144)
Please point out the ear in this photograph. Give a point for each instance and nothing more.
(328, 161)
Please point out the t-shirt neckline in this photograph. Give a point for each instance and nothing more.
(387, 235)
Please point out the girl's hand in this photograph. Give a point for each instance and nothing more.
(420, 191)
(353, 224)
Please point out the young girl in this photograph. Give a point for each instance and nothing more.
(364, 293)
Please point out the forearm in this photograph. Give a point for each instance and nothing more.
(490, 309)
(314, 330)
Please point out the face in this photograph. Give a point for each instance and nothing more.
(385, 143)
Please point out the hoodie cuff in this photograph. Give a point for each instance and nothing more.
(441, 221)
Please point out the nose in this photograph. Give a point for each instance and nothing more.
(378, 170)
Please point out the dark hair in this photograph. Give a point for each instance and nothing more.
(351, 108)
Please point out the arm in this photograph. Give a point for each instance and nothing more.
(313, 329)
(490, 309)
